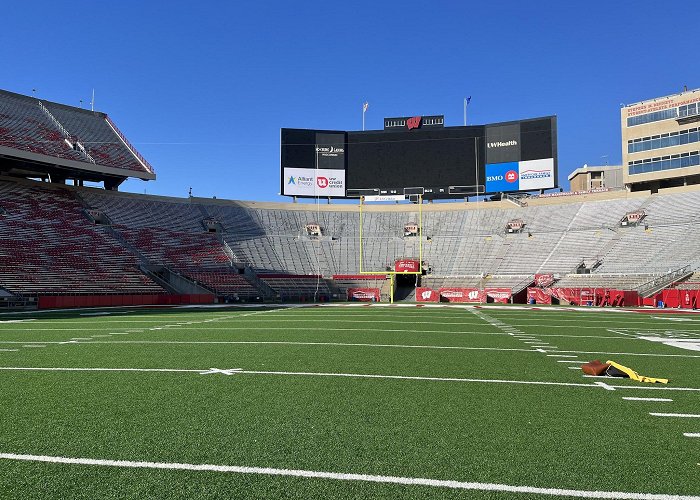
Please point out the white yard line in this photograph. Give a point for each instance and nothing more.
(339, 476)
(347, 375)
(692, 434)
(274, 342)
(679, 415)
(630, 398)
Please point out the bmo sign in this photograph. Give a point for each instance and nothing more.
(520, 175)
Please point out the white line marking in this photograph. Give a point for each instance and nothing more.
(605, 386)
(347, 375)
(574, 367)
(692, 434)
(8, 350)
(280, 342)
(230, 371)
(33, 345)
(680, 415)
(338, 476)
(562, 356)
(630, 398)
(569, 361)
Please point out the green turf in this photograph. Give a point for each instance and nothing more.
(552, 436)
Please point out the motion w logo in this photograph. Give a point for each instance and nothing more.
(414, 122)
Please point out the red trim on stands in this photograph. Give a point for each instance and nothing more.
(359, 277)
(69, 301)
(290, 276)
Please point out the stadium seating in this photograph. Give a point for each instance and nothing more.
(48, 246)
(463, 245)
(24, 125)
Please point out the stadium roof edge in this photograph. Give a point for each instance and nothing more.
(72, 164)
(145, 172)
(662, 98)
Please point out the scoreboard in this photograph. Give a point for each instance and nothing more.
(418, 155)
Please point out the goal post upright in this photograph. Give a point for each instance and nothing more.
(392, 274)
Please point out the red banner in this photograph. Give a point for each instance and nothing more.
(364, 294)
(407, 266)
(501, 295)
(424, 294)
(544, 280)
(462, 295)
(539, 296)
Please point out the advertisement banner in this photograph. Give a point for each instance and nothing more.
(313, 182)
(501, 295)
(364, 294)
(503, 143)
(462, 295)
(544, 280)
(538, 296)
(520, 176)
(536, 174)
(424, 294)
(407, 266)
(501, 177)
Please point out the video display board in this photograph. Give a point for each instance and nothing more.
(449, 162)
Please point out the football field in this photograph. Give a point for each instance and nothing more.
(347, 401)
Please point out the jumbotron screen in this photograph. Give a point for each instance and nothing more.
(417, 155)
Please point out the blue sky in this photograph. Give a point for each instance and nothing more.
(202, 88)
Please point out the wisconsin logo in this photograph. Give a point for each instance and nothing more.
(414, 122)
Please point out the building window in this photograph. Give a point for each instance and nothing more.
(652, 117)
(689, 110)
(664, 163)
(664, 140)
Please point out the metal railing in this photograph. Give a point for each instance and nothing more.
(514, 199)
(81, 150)
(523, 284)
(128, 146)
(655, 284)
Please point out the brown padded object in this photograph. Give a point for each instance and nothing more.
(595, 368)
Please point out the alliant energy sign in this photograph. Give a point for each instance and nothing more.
(312, 182)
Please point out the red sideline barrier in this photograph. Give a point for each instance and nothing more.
(424, 294)
(69, 301)
(539, 296)
(462, 295)
(359, 277)
(364, 294)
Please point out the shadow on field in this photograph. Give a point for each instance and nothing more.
(129, 311)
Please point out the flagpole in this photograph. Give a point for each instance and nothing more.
(466, 103)
(365, 105)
